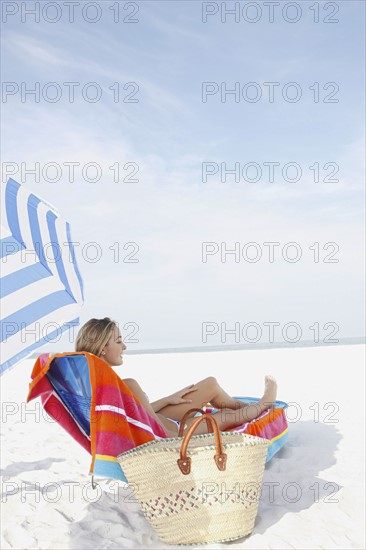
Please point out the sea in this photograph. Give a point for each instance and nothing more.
(236, 347)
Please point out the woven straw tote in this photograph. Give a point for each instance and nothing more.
(208, 492)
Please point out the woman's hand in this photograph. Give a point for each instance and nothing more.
(174, 399)
(178, 397)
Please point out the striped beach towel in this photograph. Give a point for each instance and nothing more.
(117, 420)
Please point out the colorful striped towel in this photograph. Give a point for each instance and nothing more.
(271, 424)
(118, 422)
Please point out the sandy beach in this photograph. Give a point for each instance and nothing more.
(313, 491)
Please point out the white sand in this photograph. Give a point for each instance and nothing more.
(47, 500)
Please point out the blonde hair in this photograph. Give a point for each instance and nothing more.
(94, 335)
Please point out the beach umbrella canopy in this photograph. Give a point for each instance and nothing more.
(41, 290)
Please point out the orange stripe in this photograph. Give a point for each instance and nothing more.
(108, 421)
(93, 425)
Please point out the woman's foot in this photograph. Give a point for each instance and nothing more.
(269, 396)
(253, 410)
(270, 391)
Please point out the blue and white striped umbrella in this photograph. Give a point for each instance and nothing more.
(41, 288)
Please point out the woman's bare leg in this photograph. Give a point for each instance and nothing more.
(209, 391)
(227, 417)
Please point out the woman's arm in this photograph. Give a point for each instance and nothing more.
(160, 404)
(175, 399)
(156, 405)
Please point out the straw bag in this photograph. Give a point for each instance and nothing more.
(208, 492)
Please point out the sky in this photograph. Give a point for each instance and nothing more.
(149, 100)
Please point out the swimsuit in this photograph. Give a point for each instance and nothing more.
(177, 422)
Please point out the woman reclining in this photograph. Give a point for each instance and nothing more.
(103, 338)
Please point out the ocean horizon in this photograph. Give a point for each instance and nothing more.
(239, 347)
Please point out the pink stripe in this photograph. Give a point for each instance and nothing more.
(110, 443)
(274, 428)
(112, 393)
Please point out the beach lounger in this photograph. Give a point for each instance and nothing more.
(87, 398)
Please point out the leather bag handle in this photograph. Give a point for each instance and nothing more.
(184, 462)
(183, 421)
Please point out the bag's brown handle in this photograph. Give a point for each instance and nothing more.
(184, 462)
(183, 421)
